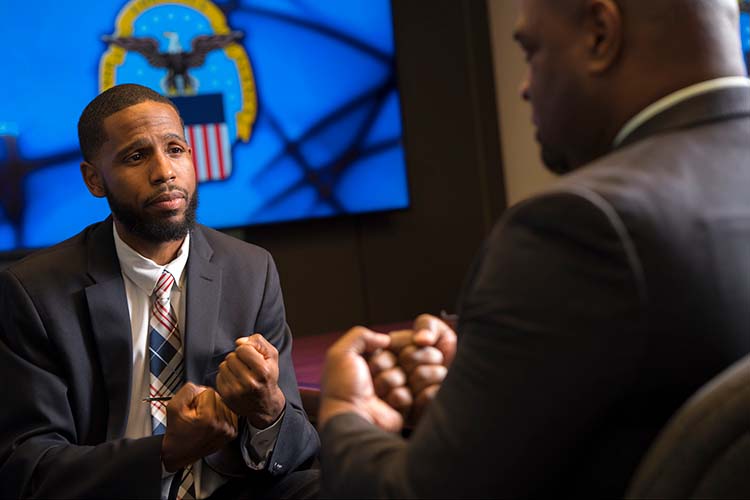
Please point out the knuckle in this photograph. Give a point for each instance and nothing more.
(423, 371)
(252, 385)
(216, 427)
(408, 351)
(358, 330)
(399, 398)
(272, 349)
(427, 395)
(263, 374)
(423, 318)
(431, 355)
(394, 377)
(382, 361)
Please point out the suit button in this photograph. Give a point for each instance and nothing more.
(277, 466)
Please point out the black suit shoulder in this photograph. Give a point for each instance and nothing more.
(235, 256)
(63, 264)
(226, 245)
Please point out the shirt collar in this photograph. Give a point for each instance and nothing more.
(675, 98)
(143, 271)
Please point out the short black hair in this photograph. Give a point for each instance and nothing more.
(91, 135)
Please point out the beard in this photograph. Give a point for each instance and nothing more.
(554, 159)
(151, 228)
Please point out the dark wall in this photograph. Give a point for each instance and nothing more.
(379, 268)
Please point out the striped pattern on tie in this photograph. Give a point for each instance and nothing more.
(166, 365)
(165, 352)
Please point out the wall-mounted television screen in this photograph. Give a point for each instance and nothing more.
(291, 106)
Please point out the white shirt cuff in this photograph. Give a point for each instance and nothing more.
(258, 444)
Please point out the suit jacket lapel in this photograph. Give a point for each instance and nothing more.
(108, 309)
(202, 307)
(712, 106)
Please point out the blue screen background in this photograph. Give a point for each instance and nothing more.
(326, 140)
(745, 29)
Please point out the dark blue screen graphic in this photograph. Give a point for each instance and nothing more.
(291, 106)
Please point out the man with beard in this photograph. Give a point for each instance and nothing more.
(147, 356)
(597, 307)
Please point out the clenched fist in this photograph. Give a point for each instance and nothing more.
(248, 381)
(198, 424)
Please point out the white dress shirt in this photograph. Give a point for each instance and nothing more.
(674, 98)
(140, 275)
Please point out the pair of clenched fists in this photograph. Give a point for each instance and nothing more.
(201, 420)
(386, 378)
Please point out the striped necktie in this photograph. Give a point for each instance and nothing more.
(166, 365)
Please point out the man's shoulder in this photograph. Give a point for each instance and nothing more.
(64, 259)
(226, 247)
(652, 186)
(670, 157)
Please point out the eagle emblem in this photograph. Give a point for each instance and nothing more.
(176, 60)
(185, 49)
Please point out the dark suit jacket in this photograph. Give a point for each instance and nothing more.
(594, 310)
(66, 362)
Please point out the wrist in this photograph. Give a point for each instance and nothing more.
(331, 407)
(275, 408)
(168, 463)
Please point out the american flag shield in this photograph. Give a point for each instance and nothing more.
(206, 131)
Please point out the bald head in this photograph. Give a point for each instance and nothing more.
(594, 64)
(696, 39)
(696, 35)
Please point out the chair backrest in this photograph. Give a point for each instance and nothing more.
(704, 450)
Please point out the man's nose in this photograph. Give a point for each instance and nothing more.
(162, 169)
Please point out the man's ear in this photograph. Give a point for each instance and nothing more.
(604, 28)
(93, 179)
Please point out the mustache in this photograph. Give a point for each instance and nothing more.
(168, 192)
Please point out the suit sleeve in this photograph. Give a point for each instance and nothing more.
(40, 452)
(550, 336)
(297, 440)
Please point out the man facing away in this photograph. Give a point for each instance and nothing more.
(131, 364)
(597, 307)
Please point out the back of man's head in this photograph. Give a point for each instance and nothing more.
(698, 38)
(668, 45)
(594, 64)
(91, 134)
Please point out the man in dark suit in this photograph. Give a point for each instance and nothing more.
(597, 307)
(78, 338)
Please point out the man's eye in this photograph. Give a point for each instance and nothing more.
(175, 150)
(134, 157)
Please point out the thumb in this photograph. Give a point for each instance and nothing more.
(360, 340)
(188, 394)
(426, 337)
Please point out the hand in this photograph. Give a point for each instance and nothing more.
(389, 378)
(248, 381)
(198, 424)
(419, 356)
(432, 331)
(347, 385)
